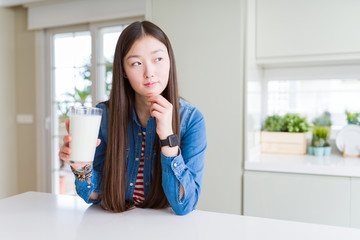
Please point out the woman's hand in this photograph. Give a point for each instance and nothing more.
(65, 150)
(162, 110)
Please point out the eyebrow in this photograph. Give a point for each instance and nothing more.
(153, 52)
(158, 50)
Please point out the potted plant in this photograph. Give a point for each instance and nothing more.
(295, 124)
(285, 134)
(319, 143)
(352, 118)
(274, 123)
(323, 120)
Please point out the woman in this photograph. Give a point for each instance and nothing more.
(152, 143)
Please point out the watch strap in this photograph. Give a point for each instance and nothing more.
(170, 141)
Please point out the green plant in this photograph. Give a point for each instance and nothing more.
(323, 120)
(294, 123)
(352, 118)
(320, 136)
(80, 95)
(274, 123)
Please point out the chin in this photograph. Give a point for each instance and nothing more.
(154, 92)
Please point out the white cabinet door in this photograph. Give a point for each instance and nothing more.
(355, 202)
(306, 28)
(298, 197)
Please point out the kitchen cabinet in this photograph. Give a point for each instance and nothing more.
(301, 197)
(355, 202)
(306, 30)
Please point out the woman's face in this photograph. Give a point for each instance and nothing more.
(147, 66)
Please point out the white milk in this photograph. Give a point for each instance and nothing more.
(84, 130)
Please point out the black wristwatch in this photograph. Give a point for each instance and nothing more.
(171, 141)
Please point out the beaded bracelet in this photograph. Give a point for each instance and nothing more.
(83, 174)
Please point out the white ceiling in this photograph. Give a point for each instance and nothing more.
(11, 3)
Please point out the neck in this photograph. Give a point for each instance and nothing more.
(142, 108)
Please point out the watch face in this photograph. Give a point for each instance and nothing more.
(173, 140)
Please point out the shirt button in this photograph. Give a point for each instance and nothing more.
(147, 158)
(149, 131)
(147, 183)
(131, 184)
(136, 159)
(139, 134)
(175, 165)
(88, 186)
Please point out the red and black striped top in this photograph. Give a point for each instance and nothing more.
(138, 195)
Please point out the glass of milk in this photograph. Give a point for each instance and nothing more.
(84, 130)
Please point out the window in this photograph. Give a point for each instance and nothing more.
(108, 37)
(311, 98)
(309, 91)
(80, 72)
(313, 91)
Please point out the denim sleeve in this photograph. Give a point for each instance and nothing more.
(187, 167)
(84, 189)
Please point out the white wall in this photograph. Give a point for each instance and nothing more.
(25, 102)
(207, 39)
(8, 165)
(78, 12)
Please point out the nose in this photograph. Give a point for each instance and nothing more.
(149, 71)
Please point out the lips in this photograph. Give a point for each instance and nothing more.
(150, 84)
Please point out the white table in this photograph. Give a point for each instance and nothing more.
(34, 215)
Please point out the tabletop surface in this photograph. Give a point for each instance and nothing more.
(34, 215)
(334, 165)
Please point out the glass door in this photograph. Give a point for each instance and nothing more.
(71, 86)
(80, 63)
(108, 37)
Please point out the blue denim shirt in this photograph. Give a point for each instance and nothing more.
(186, 168)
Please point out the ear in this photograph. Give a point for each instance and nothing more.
(125, 76)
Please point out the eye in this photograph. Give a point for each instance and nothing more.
(136, 64)
(158, 59)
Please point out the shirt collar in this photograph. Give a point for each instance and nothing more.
(149, 124)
